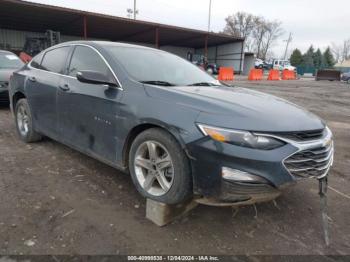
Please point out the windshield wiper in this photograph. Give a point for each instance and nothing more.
(158, 83)
(203, 84)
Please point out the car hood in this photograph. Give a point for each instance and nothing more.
(239, 108)
(5, 74)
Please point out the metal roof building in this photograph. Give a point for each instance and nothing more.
(19, 19)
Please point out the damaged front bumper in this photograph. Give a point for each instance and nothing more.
(255, 176)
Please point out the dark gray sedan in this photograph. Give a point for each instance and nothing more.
(9, 63)
(179, 132)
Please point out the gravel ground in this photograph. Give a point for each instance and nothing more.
(54, 200)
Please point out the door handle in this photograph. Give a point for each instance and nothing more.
(32, 79)
(64, 87)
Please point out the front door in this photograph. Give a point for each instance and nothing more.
(88, 112)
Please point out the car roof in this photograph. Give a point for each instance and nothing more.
(102, 44)
(6, 52)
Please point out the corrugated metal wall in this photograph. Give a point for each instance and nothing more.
(223, 55)
(11, 39)
(228, 55)
(14, 40)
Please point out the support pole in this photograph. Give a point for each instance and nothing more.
(206, 46)
(241, 60)
(85, 27)
(209, 17)
(157, 38)
(135, 10)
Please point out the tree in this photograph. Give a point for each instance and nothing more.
(259, 33)
(273, 32)
(318, 60)
(296, 59)
(240, 24)
(337, 51)
(308, 57)
(346, 50)
(328, 58)
(341, 52)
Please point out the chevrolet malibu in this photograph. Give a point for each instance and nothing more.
(180, 133)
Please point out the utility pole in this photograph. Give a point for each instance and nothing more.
(287, 45)
(135, 9)
(209, 18)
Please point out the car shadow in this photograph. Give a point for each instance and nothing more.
(4, 106)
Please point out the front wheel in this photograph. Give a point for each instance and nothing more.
(159, 167)
(24, 122)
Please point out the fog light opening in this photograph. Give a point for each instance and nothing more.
(236, 175)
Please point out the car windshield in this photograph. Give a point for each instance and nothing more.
(10, 61)
(159, 68)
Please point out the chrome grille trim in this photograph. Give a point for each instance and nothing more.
(313, 159)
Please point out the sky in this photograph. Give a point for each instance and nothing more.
(317, 22)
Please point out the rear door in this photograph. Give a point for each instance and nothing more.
(87, 112)
(41, 88)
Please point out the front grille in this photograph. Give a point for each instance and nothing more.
(302, 135)
(4, 84)
(314, 162)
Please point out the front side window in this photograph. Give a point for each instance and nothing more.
(148, 65)
(85, 58)
(54, 60)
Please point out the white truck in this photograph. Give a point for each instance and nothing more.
(283, 65)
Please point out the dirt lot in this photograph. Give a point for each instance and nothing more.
(54, 200)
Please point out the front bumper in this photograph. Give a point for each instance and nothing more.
(4, 96)
(208, 157)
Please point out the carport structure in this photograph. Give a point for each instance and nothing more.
(18, 18)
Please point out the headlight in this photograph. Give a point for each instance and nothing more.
(241, 138)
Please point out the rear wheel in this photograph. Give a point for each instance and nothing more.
(24, 122)
(159, 167)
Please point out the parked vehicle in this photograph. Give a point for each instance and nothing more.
(202, 62)
(9, 63)
(177, 130)
(259, 63)
(346, 77)
(283, 65)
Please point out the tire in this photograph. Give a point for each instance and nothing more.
(177, 175)
(24, 122)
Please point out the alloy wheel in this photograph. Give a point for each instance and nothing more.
(22, 120)
(154, 168)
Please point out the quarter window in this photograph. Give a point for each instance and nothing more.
(54, 60)
(36, 61)
(85, 58)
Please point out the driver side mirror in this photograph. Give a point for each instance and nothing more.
(92, 77)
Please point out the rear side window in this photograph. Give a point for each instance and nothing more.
(54, 60)
(85, 58)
